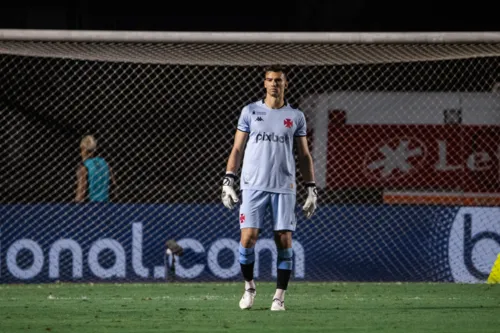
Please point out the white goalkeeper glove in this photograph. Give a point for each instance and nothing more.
(312, 197)
(229, 197)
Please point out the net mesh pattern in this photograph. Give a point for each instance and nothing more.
(418, 124)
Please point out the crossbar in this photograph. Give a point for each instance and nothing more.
(248, 37)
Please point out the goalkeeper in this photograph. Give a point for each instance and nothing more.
(269, 128)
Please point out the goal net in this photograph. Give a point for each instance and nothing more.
(404, 130)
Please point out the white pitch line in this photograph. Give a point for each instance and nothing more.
(156, 298)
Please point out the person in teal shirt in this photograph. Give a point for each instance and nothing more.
(94, 175)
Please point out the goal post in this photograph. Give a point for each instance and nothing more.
(236, 48)
(404, 130)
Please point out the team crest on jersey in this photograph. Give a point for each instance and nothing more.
(288, 122)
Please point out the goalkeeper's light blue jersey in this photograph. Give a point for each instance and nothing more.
(269, 162)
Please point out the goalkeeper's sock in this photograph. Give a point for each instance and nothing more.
(247, 261)
(279, 294)
(282, 283)
(283, 278)
(285, 265)
(284, 272)
(250, 285)
(247, 271)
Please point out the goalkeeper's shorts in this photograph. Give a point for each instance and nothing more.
(255, 203)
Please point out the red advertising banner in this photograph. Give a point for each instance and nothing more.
(414, 157)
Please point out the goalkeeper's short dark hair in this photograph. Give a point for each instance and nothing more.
(276, 68)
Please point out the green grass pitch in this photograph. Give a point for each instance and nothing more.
(213, 307)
